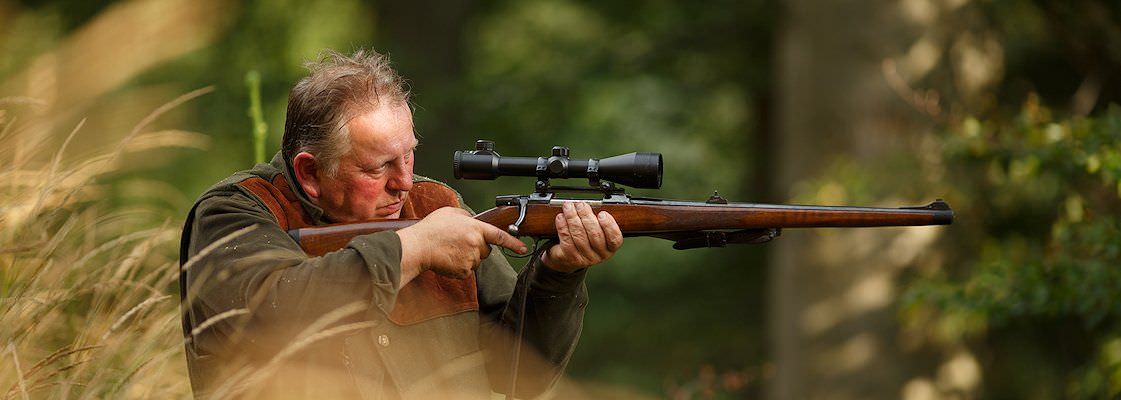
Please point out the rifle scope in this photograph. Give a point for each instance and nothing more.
(638, 170)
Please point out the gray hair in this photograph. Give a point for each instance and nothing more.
(338, 89)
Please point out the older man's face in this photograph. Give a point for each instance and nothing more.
(374, 178)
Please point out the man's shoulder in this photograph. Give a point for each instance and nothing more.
(224, 196)
(230, 184)
(232, 188)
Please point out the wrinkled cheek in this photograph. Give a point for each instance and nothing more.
(364, 206)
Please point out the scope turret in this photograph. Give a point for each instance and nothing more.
(638, 170)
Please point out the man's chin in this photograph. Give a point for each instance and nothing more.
(382, 213)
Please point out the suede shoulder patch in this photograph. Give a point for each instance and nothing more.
(427, 296)
(431, 295)
(278, 197)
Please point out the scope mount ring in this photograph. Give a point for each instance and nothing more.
(607, 188)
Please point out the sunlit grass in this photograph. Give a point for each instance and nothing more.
(88, 306)
(87, 301)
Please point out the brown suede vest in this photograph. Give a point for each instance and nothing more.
(427, 296)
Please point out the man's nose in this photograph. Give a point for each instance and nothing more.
(401, 180)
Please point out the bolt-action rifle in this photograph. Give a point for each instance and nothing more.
(689, 224)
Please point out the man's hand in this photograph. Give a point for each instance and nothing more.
(451, 243)
(585, 239)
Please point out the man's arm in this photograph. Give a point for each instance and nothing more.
(265, 273)
(553, 311)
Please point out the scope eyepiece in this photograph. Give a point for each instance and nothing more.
(638, 170)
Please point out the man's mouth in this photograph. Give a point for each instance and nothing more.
(393, 207)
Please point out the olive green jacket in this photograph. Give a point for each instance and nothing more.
(263, 319)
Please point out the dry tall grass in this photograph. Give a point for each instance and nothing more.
(87, 300)
(87, 288)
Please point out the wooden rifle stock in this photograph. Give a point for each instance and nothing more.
(714, 223)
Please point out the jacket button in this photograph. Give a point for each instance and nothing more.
(383, 340)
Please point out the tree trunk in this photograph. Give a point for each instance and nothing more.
(425, 42)
(834, 322)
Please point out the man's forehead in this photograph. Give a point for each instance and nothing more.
(384, 131)
(383, 149)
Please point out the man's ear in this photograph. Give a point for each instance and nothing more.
(307, 173)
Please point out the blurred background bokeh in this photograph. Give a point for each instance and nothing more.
(114, 115)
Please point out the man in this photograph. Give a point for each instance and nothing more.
(425, 311)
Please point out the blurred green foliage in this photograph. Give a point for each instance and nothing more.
(1029, 275)
(1040, 262)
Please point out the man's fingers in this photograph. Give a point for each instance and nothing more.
(564, 239)
(612, 234)
(576, 229)
(562, 252)
(499, 237)
(595, 233)
(562, 229)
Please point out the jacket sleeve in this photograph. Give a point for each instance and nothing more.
(266, 284)
(553, 318)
